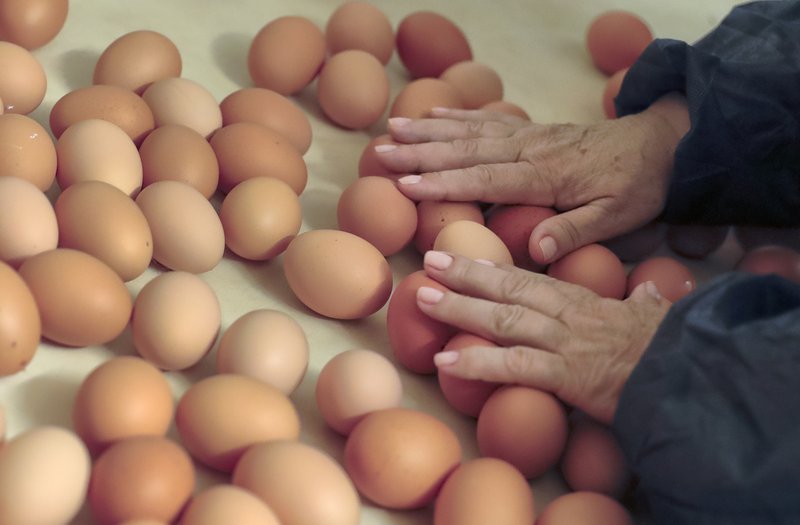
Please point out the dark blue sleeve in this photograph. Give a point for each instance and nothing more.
(710, 418)
(740, 161)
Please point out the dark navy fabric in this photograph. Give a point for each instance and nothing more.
(740, 161)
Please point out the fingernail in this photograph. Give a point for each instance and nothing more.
(409, 179)
(438, 260)
(485, 262)
(438, 110)
(548, 247)
(397, 122)
(651, 288)
(385, 148)
(445, 358)
(429, 295)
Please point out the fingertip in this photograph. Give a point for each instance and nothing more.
(446, 358)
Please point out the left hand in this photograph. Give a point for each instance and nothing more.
(553, 335)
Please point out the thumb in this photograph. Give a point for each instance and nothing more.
(565, 232)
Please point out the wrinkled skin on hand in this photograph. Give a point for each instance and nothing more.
(553, 335)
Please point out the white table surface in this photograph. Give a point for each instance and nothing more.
(537, 47)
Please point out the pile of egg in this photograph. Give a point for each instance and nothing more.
(162, 149)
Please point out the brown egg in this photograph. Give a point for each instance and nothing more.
(270, 108)
(477, 84)
(615, 39)
(398, 458)
(176, 319)
(473, 240)
(771, 259)
(418, 97)
(137, 59)
(23, 83)
(176, 152)
(368, 163)
(485, 490)
(227, 504)
(428, 43)
(584, 508)
(414, 336)
(524, 426)
(115, 104)
(26, 150)
(267, 345)
(21, 326)
(101, 220)
(353, 89)
(187, 232)
(121, 398)
(220, 416)
(337, 274)
(673, 279)
(32, 23)
(353, 384)
(610, 92)
(508, 108)
(639, 243)
(246, 150)
(360, 25)
(260, 216)
(513, 224)
(594, 267)
(300, 483)
(81, 300)
(465, 395)
(695, 241)
(183, 101)
(375, 210)
(432, 216)
(28, 224)
(286, 54)
(144, 477)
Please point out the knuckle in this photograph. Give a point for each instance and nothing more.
(467, 148)
(474, 128)
(516, 286)
(505, 317)
(518, 361)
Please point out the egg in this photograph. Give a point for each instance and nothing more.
(432, 216)
(673, 279)
(21, 327)
(175, 321)
(771, 259)
(465, 395)
(44, 475)
(615, 39)
(368, 163)
(414, 336)
(177, 152)
(485, 490)
(416, 99)
(137, 59)
(144, 477)
(509, 108)
(374, 209)
(120, 398)
(24, 82)
(360, 25)
(300, 483)
(268, 345)
(273, 110)
(183, 101)
(245, 150)
(286, 54)
(594, 267)
(638, 244)
(353, 384)
(584, 508)
(99, 219)
(513, 224)
(610, 92)
(95, 149)
(26, 150)
(428, 43)
(32, 23)
(353, 89)
(227, 504)
(115, 104)
(477, 84)
(695, 241)
(524, 426)
(750, 237)
(473, 240)
(220, 416)
(337, 274)
(28, 224)
(81, 300)
(398, 458)
(187, 232)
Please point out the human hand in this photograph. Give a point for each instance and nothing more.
(553, 335)
(605, 178)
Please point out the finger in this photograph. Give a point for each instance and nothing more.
(647, 292)
(479, 114)
(446, 129)
(448, 155)
(506, 324)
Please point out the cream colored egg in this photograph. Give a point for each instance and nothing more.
(28, 224)
(24, 82)
(473, 240)
(228, 504)
(183, 101)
